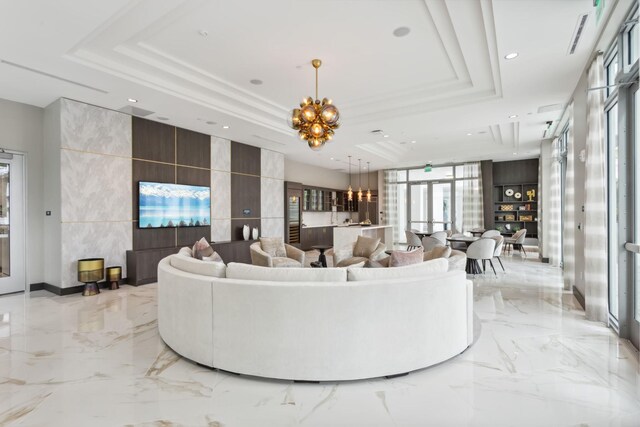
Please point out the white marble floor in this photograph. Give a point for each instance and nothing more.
(98, 361)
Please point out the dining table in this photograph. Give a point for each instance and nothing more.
(473, 266)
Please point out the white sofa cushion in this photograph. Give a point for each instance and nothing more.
(423, 269)
(191, 265)
(237, 270)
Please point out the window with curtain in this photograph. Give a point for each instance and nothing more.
(472, 202)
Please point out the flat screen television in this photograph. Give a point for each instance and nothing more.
(164, 205)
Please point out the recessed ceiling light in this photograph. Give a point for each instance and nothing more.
(256, 82)
(413, 142)
(132, 100)
(511, 55)
(211, 123)
(225, 127)
(513, 116)
(469, 134)
(515, 154)
(401, 31)
(385, 136)
(163, 118)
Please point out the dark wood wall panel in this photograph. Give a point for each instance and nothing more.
(149, 171)
(193, 148)
(189, 235)
(236, 251)
(237, 224)
(153, 238)
(245, 194)
(245, 159)
(153, 141)
(487, 193)
(517, 171)
(193, 176)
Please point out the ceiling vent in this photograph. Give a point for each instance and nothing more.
(378, 132)
(42, 73)
(135, 111)
(577, 33)
(550, 108)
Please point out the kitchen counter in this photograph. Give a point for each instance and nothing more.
(344, 236)
(318, 226)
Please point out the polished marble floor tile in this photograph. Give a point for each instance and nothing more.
(99, 361)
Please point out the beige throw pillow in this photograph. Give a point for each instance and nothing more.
(437, 252)
(402, 258)
(365, 246)
(274, 246)
(202, 249)
(215, 257)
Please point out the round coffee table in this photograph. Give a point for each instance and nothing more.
(322, 259)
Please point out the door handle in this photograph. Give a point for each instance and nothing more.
(632, 247)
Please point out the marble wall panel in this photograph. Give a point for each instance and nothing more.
(98, 130)
(220, 230)
(220, 195)
(272, 227)
(271, 198)
(272, 164)
(220, 154)
(94, 187)
(108, 240)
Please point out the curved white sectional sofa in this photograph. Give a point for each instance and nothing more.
(315, 324)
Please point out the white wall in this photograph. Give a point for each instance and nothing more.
(51, 199)
(546, 162)
(316, 175)
(22, 130)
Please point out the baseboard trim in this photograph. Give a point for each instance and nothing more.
(579, 297)
(67, 291)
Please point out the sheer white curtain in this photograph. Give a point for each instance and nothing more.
(391, 202)
(553, 220)
(595, 230)
(569, 244)
(472, 205)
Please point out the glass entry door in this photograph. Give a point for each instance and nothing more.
(12, 226)
(634, 246)
(431, 206)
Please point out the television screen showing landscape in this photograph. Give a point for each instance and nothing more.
(173, 205)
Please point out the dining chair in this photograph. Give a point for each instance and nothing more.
(490, 233)
(413, 241)
(498, 251)
(517, 241)
(460, 246)
(482, 249)
(440, 235)
(430, 242)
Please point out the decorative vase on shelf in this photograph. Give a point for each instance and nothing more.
(245, 231)
(254, 234)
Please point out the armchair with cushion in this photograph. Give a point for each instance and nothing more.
(273, 252)
(365, 249)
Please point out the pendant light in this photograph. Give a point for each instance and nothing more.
(368, 186)
(350, 190)
(359, 181)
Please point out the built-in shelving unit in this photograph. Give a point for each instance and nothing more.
(516, 207)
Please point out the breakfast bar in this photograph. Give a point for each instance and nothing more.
(344, 236)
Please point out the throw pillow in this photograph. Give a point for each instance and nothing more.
(437, 252)
(402, 258)
(214, 257)
(274, 246)
(202, 249)
(381, 263)
(365, 246)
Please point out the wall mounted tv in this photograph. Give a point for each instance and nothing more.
(164, 205)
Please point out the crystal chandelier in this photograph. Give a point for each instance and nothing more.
(316, 120)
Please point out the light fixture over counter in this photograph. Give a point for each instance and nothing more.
(316, 120)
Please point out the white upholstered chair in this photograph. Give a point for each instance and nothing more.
(482, 249)
(294, 257)
(498, 250)
(517, 241)
(440, 235)
(490, 233)
(413, 241)
(430, 242)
